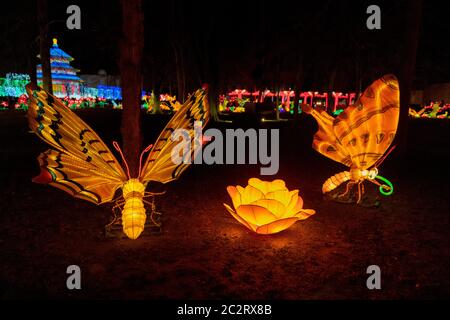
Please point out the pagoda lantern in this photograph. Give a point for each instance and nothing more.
(64, 76)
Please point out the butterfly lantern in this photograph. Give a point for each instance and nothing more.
(81, 164)
(360, 136)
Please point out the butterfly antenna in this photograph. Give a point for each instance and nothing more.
(117, 147)
(142, 154)
(380, 161)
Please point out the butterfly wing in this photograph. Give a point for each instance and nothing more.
(366, 129)
(75, 176)
(159, 165)
(324, 140)
(81, 163)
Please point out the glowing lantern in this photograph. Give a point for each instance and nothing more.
(360, 137)
(414, 113)
(266, 207)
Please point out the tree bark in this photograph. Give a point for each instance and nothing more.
(157, 102)
(212, 72)
(33, 49)
(179, 71)
(12, 103)
(32, 64)
(411, 33)
(277, 86)
(44, 45)
(131, 52)
(177, 35)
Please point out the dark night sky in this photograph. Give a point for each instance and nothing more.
(251, 42)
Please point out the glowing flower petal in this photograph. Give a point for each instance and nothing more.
(235, 215)
(283, 196)
(255, 214)
(305, 213)
(292, 202)
(250, 194)
(266, 186)
(274, 206)
(235, 196)
(298, 206)
(276, 226)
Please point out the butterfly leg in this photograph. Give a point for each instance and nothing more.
(347, 189)
(363, 189)
(153, 210)
(360, 191)
(118, 205)
(116, 217)
(151, 194)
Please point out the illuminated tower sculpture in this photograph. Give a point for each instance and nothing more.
(64, 76)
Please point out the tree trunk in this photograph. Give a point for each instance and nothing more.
(277, 88)
(298, 86)
(131, 51)
(177, 36)
(179, 71)
(183, 78)
(32, 65)
(156, 101)
(12, 103)
(298, 90)
(44, 44)
(332, 79)
(213, 101)
(212, 71)
(33, 49)
(411, 33)
(296, 103)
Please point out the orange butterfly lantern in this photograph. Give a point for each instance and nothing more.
(266, 207)
(360, 136)
(81, 164)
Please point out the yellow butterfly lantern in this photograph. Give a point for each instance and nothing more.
(81, 164)
(360, 136)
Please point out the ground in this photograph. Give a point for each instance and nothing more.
(203, 253)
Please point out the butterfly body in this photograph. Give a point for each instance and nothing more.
(354, 175)
(360, 136)
(133, 212)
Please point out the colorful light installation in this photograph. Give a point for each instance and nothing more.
(109, 92)
(340, 100)
(306, 98)
(287, 104)
(436, 110)
(83, 103)
(169, 103)
(351, 98)
(320, 100)
(239, 93)
(234, 100)
(13, 85)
